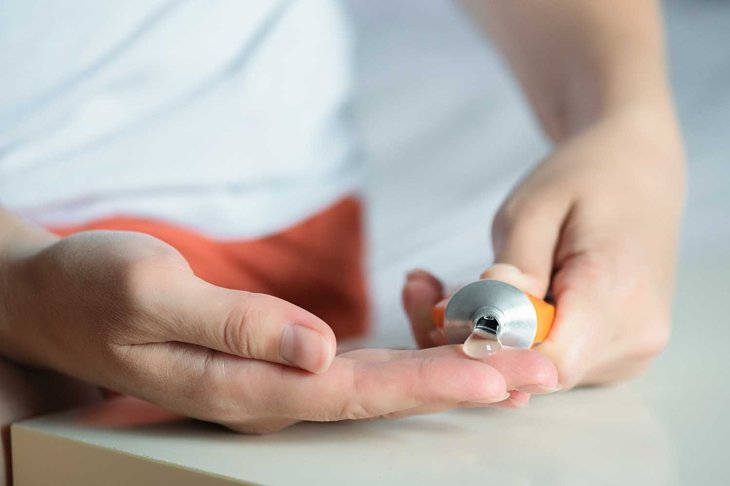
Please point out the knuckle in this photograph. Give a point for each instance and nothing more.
(211, 392)
(135, 273)
(570, 369)
(590, 269)
(143, 269)
(541, 373)
(237, 335)
(353, 410)
(353, 407)
(165, 255)
(138, 280)
(594, 266)
(147, 248)
(122, 360)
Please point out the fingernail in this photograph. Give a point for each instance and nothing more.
(502, 269)
(492, 399)
(418, 274)
(303, 347)
(539, 389)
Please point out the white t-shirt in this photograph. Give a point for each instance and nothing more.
(224, 116)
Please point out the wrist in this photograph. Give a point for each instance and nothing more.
(20, 239)
(18, 242)
(586, 98)
(645, 134)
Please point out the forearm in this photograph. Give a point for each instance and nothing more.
(26, 392)
(582, 60)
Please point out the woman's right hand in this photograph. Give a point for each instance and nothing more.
(124, 310)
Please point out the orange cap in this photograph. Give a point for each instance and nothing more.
(545, 316)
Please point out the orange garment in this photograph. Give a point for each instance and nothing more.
(317, 264)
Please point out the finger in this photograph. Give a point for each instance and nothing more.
(524, 235)
(514, 399)
(249, 325)
(200, 383)
(353, 389)
(512, 275)
(430, 409)
(421, 293)
(222, 388)
(191, 381)
(526, 370)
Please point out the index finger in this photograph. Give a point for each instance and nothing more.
(525, 369)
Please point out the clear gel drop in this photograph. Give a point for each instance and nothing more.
(478, 346)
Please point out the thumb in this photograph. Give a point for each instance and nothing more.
(250, 325)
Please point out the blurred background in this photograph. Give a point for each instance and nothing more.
(445, 133)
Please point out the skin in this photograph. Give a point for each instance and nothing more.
(596, 222)
(123, 310)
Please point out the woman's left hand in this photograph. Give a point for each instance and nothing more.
(596, 224)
